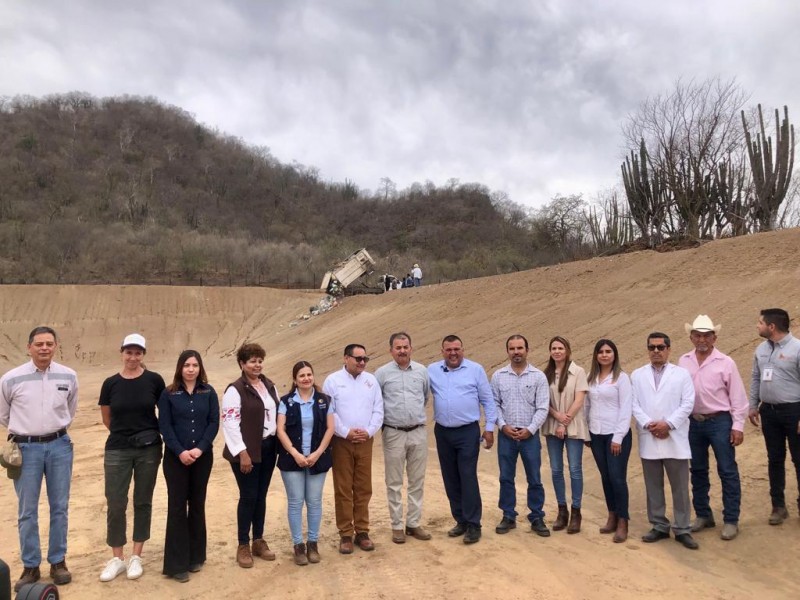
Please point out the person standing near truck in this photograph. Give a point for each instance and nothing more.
(416, 274)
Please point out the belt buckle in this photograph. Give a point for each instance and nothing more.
(699, 418)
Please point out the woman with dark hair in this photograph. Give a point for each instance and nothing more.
(249, 407)
(608, 410)
(133, 450)
(188, 416)
(305, 428)
(566, 427)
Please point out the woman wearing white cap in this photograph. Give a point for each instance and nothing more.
(128, 405)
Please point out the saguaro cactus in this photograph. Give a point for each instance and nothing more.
(772, 170)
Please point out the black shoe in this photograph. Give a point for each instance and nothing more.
(687, 540)
(181, 577)
(459, 530)
(473, 534)
(505, 525)
(655, 535)
(539, 528)
(194, 568)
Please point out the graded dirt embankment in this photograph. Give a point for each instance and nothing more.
(621, 297)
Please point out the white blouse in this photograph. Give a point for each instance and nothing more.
(232, 417)
(608, 407)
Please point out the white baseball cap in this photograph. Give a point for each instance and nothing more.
(134, 339)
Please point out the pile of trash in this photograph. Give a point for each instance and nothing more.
(324, 305)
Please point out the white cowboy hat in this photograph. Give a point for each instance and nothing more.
(702, 323)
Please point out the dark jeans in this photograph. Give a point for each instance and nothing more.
(253, 487)
(714, 432)
(185, 541)
(613, 471)
(530, 451)
(120, 466)
(458, 449)
(779, 424)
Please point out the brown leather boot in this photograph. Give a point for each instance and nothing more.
(574, 521)
(622, 531)
(244, 557)
(300, 557)
(611, 524)
(261, 549)
(562, 518)
(312, 552)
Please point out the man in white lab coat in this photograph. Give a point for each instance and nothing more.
(663, 399)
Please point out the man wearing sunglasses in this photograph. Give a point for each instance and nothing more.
(358, 415)
(663, 399)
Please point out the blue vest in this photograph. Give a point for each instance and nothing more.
(294, 429)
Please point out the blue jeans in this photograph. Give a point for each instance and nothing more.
(555, 448)
(613, 471)
(530, 451)
(302, 486)
(714, 432)
(53, 460)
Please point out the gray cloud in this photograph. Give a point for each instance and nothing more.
(525, 97)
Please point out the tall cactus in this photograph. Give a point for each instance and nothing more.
(772, 174)
(645, 194)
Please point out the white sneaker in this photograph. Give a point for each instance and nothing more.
(135, 567)
(114, 567)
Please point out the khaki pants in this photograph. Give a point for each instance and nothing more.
(405, 451)
(352, 485)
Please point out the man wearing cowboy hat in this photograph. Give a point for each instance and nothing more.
(416, 273)
(717, 420)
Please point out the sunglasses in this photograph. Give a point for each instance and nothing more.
(359, 359)
(659, 347)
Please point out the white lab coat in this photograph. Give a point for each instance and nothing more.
(672, 402)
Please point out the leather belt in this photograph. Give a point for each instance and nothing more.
(36, 439)
(406, 429)
(708, 416)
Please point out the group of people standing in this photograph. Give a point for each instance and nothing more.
(679, 412)
(412, 279)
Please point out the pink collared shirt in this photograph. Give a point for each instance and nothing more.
(718, 386)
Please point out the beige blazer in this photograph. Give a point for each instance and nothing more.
(576, 382)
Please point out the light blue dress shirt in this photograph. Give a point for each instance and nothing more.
(459, 393)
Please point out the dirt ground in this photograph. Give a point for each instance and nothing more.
(621, 297)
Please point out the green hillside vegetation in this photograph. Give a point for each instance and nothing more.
(130, 190)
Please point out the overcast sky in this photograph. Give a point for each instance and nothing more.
(526, 97)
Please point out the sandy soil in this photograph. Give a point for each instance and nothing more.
(622, 297)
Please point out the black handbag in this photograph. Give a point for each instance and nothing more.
(143, 439)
